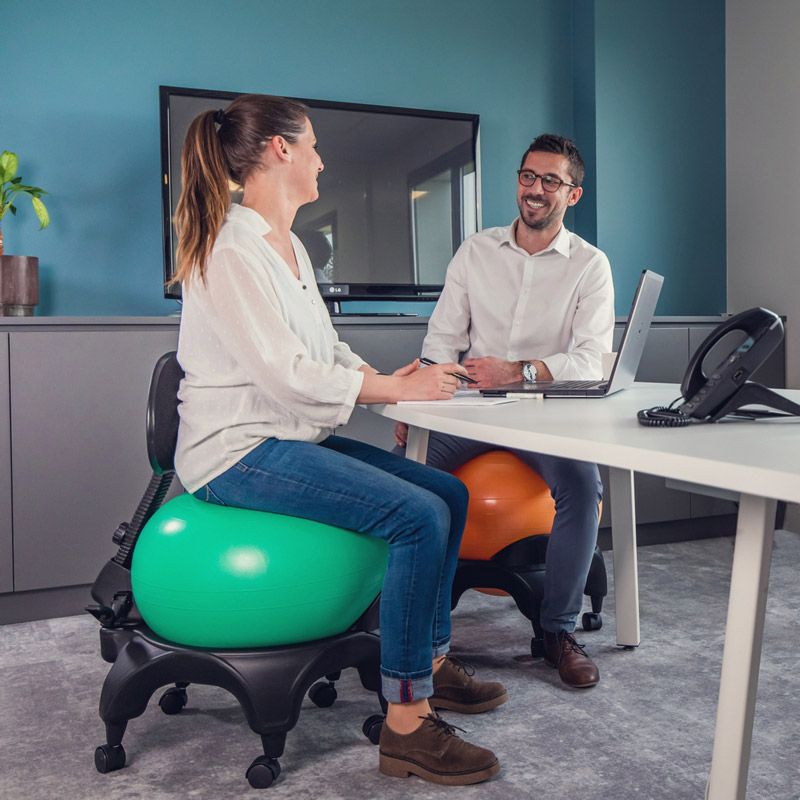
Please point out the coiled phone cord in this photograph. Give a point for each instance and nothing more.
(664, 416)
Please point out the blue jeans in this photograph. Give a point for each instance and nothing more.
(577, 490)
(418, 510)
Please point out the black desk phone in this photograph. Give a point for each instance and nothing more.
(726, 390)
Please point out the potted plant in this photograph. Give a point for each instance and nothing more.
(19, 275)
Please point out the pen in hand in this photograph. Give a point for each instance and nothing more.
(465, 378)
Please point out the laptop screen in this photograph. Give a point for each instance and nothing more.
(634, 336)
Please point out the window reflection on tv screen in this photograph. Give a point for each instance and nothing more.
(399, 192)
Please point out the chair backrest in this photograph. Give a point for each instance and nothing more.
(162, 413)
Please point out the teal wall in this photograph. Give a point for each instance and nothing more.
(660, 148)
(80, 105)
(639, 84)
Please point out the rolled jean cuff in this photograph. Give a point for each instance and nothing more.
(406, 690)
(441, 649)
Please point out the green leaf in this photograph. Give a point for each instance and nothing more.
(41, 213)
(13, 210)
(18, 179)
(8, 166)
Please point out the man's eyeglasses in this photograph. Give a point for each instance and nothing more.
(550, 183)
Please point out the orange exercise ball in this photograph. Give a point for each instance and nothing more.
(508, 501)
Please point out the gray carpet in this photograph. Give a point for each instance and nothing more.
(644, 732)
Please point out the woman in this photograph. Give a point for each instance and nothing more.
(267, 381)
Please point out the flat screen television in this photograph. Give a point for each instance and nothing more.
(399, 193)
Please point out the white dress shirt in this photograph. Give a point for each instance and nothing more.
(555, 306)
(260, 354)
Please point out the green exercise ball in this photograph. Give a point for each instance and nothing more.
(221, 577)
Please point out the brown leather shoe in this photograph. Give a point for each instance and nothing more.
(575, 668)
(435, 753)
(455, 689)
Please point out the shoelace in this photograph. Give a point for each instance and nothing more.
(444, 726)
(461, 666)
(573, 645)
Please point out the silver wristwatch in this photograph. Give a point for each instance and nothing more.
(528, 372)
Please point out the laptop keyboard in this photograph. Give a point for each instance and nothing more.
(569, 384)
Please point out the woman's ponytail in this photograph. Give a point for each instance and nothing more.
(204, 200)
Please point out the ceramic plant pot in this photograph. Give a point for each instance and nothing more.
(19, 285)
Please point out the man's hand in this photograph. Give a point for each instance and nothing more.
(490, 371)
(400, 434)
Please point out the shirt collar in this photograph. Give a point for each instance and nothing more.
(560, 244)
(249, 218)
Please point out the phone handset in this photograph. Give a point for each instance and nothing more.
(706, 395)
(726, 390)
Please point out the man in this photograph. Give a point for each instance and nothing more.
(533, 301)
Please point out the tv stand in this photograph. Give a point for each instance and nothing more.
(335, 310)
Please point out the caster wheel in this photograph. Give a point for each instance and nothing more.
(263, 772)
(537, 647)
(173, 700)
(322, 694)
(372, 727)
(109, 759)
(591, 621)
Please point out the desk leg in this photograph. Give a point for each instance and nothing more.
(417, 444)
(626, 575)
(744, 629)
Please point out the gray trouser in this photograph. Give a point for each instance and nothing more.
(576, 489)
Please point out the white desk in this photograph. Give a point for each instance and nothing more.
(757, 460)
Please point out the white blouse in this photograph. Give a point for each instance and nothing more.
(261, 357)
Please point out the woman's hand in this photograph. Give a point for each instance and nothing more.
(407, 369)
(434, 382)
(411, 383)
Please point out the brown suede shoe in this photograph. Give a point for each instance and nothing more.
(435, 753)
(455, 689)
(575, 668)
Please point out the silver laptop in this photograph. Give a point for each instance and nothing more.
(628, 356)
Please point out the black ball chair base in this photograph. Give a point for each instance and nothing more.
(518, 570)
(269, 683)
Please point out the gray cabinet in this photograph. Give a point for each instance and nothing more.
(6, 546)
(665, 355)
(79, 453)
(385, 347)
(72, 404)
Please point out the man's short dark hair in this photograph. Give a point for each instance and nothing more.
(551, 143)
